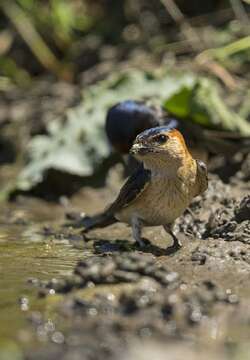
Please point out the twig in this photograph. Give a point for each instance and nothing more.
(219, 71)
(240, 13)
(235, 47)
(208, 58)
(228, 50)
(32, 38)
(186, 29)
(212, 18)
(177, 47)
(6, 40)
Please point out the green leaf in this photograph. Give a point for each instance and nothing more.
(179, 103)
(207, 101)
(202, 104)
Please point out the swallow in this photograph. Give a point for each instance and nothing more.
(159, 191)
(125, 120)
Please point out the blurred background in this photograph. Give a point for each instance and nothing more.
(87, 55)
(67, 38)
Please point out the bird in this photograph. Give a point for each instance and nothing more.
(126, 119)
(161, 188)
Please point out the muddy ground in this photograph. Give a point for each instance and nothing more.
(122, 302)
(101, 297)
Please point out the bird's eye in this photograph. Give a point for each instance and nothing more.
(161, 139)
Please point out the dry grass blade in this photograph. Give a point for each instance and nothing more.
(187, 30)
(32, 38)
(6, 40)
(241, 14)
(217, 70)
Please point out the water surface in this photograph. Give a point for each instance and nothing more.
(27, 254)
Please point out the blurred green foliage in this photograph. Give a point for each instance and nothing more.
(68, 37)
(74, 32)
(78, 146)
(203, 105)
(49, 28)
(58, 19)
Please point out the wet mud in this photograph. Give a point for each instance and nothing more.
(122, 302)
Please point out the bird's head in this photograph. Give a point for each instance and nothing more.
(160, 145)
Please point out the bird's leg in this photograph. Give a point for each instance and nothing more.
(136, 230)
(177, 243)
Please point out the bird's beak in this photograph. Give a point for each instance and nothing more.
(139, 149)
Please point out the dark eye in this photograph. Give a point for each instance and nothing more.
(161, 139)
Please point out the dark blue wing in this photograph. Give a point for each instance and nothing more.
(132, 188)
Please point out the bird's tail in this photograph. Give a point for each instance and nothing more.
(97, 221)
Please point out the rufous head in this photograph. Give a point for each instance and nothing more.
(160, 143)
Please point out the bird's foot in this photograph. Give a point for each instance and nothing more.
(142, 242)
(84, 231)
(176, 242)
(88, 223)
(177, 245)
(172, 249)
(85, 236)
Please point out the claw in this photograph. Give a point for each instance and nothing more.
(177, 245)
(143, 242)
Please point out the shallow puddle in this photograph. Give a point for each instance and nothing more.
(26, 254)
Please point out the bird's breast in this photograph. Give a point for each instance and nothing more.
(160, 203)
